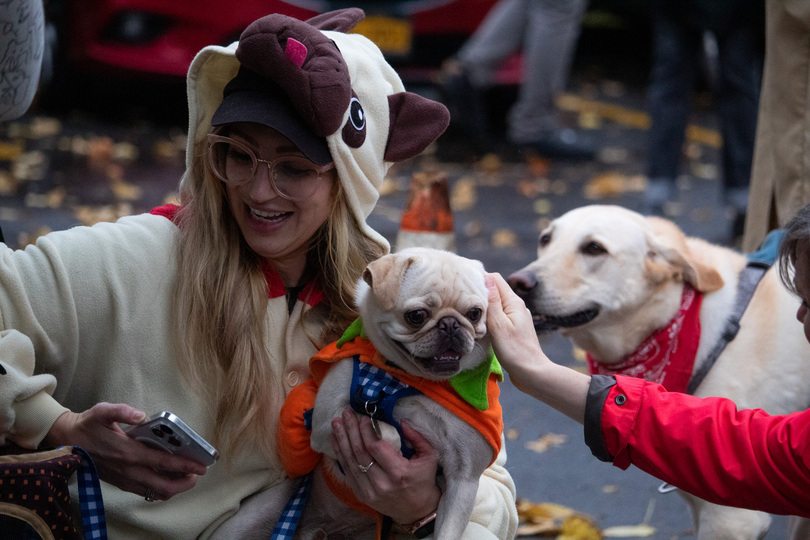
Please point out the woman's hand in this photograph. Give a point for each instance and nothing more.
(511, 327)
(121, 461)
(517, 349)
(403, 489)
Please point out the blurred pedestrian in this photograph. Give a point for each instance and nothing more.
(780, 180)
(212, 308)
(743, 458)
(546, 32)
(679, 30)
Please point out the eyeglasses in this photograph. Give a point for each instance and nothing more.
(293, 177)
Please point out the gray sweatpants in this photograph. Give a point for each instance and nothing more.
(547, 31)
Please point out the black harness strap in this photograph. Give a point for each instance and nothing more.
(749, 279)
(758, 263)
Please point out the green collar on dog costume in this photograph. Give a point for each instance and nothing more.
(471, 384)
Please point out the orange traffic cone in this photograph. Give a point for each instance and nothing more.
(427, 220)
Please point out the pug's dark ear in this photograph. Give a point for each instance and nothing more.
(384, 276)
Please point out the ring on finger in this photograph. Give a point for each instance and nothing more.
(366, 468)
(150, 495)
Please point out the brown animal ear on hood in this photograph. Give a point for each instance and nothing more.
(415, 122)
(384, 276)
(677, 261)
(340, 20)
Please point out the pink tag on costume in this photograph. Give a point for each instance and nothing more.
(296, 51)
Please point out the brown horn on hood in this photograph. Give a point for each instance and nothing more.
(415, 122)
(318, 84)
(340, 20)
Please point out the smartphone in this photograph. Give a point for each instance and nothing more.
(165, 431)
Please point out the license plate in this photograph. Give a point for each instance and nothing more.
(392, 36)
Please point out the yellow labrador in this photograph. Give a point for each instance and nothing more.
(609, 278)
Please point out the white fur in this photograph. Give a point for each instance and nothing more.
(767, 366)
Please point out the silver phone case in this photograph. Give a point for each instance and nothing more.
(165, 431)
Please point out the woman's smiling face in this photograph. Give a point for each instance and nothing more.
(277, 229)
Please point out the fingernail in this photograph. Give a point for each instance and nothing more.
(347, 414)
(337, 425)
(488, 281)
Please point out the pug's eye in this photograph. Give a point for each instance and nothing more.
(594, 249)
(475, 314)
(417, 317)
(545, 239)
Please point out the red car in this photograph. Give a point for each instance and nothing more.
(160, 37)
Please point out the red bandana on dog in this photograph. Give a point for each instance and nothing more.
(667, 356)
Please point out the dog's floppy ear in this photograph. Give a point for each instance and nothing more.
(384, 276)
(670, 252)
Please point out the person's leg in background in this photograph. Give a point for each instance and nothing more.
(549, 44)
(468, 75)
(740, 50)
(676, 47)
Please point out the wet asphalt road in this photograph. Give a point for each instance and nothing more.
(82, 165)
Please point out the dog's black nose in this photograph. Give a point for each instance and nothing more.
(448, 325)
(522, 282)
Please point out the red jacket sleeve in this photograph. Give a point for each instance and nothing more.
(707, 447)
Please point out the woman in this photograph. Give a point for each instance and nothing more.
(211, 310)
(704, 446)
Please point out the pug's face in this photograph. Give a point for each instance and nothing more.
(425, 311)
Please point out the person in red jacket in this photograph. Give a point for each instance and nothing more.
(704, 446)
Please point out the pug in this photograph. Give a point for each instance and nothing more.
(424, 312)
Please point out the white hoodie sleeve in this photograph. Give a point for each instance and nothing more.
(27, 408)
(71, 312)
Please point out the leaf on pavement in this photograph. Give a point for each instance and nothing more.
(629, 531)
(43, 126)
(544, 527)
(554, 521)
(538, 166)
(504, 238)
(511, 434)
(490, 163)
(125, 191)
(547, 441)
(542, 206)
(579, 527)
(8, 184)
(10, 151)
(473, 228)
(463, 196)
(611, 184)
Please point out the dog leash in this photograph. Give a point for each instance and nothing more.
(291, 515)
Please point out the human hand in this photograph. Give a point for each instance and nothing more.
(122, 461)
(510, 325)
(403, 489)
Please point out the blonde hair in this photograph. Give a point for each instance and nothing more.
(221, 304)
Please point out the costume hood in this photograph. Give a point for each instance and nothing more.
(341, 86)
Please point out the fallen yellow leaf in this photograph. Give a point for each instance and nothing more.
(490, 163)
(547, 441)
(542, 206)
(504, 238)
(546, 527)
(579, 527)
(464, 194)
(629, 531)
